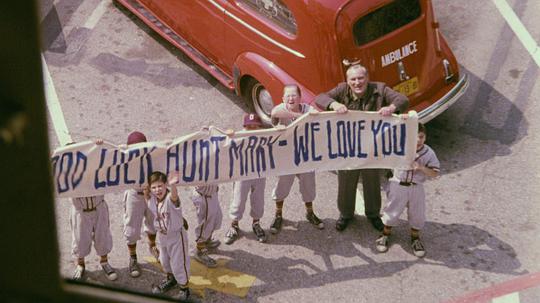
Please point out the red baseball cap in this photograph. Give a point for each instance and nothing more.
(136, 137)
(252, 119)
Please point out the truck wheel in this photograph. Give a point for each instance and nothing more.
(259, 98)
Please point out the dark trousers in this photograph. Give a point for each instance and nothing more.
(347, 183)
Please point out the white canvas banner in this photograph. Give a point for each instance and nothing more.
(314, 142)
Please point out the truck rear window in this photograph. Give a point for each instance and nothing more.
(385, 20)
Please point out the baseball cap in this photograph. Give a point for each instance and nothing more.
(252, 119)
(136, 137)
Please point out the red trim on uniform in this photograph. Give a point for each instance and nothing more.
(205, 218)
(184, 255)
(508, 287)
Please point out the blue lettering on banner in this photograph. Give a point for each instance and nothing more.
(301, 145)
(131, 154)
(191, 176)
(260, 155)
(349, 139)
(116, 180)
(204, 159)
(97, 182)
(270, 145)
(216, 140)
(331, 155)
(173, 153)
(79, 158)
(69, 157)
(403, 137)
(388, 135)
(251, 156)
(236, 151)
(314, 128)
(375, 130)
(250, 159)
(146, 157)
(361, 127)
(112, 170)
(341, 135)
(386, 139)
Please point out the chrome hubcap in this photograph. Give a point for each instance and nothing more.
(262, 102)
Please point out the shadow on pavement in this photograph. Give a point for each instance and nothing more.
(453, 246)
(483, 124)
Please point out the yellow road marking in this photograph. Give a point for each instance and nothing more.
(220, 279)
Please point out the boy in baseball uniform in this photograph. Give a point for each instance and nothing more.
(209, 217)
(283, 115)
(173, 241)
(89, 222)
(255, 189)
(135, 212)
(406, 190)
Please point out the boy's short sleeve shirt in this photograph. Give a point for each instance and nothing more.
(425, 157)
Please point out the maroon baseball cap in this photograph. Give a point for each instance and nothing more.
(136, 137)
(252, 119)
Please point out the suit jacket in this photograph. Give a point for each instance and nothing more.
(377, 95)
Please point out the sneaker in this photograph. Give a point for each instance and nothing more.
(418, 248)
(259, 232)
(134, 269)
(382, 243)
(313, 219)
(275, 227)
(154, 251)
(212, 243)
(164, 286)
(109, 271)
(232, 234)
(203, 257)
(79, 272)
(183, 294)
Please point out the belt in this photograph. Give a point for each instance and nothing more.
(89, 209)
(402, 183)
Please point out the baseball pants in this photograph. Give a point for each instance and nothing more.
(209, 216)
(91, 226)
(135, 212)
(399, 196)
(255, 189)
(174, 254)
(306, 183)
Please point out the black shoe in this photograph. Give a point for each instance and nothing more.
(259, 232)
(342, 223)
(275, 227)
(109, 271)
(313, 219)
(377, 223)
(133, 268)
(183, 294)
(164, 285)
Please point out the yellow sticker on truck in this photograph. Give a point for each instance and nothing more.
(408, 87)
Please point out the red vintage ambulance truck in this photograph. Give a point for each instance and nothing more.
(256, 46)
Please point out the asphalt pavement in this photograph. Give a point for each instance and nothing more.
(113, 75)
